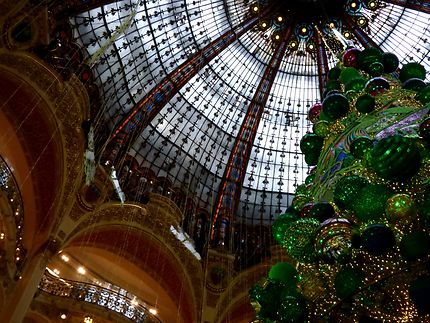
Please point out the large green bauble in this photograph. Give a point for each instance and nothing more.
(347, 188)
(360, 146)
(348, 74)
(322, 211)
(334, 73)
(321, 128)
(356, 84)
(377, 85)
(312, 158)
(390, 61)
(299, 240)
(370, 202)
(368, 57)
(377, 239)
(424, 95)
(398, 207)
(414, 84)
(292, 309)
(348, 281)
(333, 240)
(311, 143)
(395, 157)
(415, 245)
(365, 103)
(412, 70)
(281, 224)
(335, 106)
(284, 272)
(332, 85)
(376, 69)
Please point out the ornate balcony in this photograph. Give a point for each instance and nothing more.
(99, 296)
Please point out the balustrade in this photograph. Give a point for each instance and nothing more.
(100, 296)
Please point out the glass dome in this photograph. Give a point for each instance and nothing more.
(134, 46)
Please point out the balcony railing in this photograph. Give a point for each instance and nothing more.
(97, 295)
(10, 187)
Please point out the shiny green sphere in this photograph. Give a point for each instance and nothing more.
(299, 240)
(347, 188)
(365, 103)
(412, 70)
(370, 202)
(360, 146)
(321, 128)
(284, 272)
(390, 61)
(311, 143)
(423, 95)
(335, 106)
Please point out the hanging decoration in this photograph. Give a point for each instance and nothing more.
(358, 231)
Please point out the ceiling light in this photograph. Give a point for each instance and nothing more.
(65, 258)
(280, 18)
(311, 46)
(255, 8)
(331, 25)
(153, 311)
(63, 316)
(88, 319)
(353, 5)
(264, 25)
(304, 30)
(81, 270)
(277, 37)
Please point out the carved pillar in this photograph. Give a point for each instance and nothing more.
(231, 184)
(322, 62)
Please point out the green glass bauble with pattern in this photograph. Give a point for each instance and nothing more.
(398, 207)
(412, 70)
(360, 146)
(347, 188)
(348, 74)
(312, 158)
(414, 84)
(370, 202)
(281, 224)
(332, 85)
(365, 103)
(310, 179)
(321, 128)
(299, 240)
(311, 143)
(356, 84)
(376, 69)
(334, 73)
(292, 309)
(335, 106)
(368, 57)
(390, 61)
(395, 158)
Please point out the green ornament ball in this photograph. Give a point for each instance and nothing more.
(334, 73)
(299, 240)
(311, 143)
(424, 95)
(321, 128)
(335, 106)
(415, 245)
(310, 179)
(414, 84)
(333, 85)
(348, 281)
(365, 103)
(376, 69)
(390, 61)
(368, 57)
(370, 202)
(281, 224)
(256, 293)
(360, 146)
(284, 272)
(347, 188)
(322, 211)
(356, 84)
(398, 207)
(395, 158)
(312, 158)
(348, 74)
(299, 202)
(412, 70)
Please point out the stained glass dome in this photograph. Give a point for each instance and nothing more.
(135, 46)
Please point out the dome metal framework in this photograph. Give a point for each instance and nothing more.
(178, 79)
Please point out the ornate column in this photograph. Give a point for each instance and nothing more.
(322, 62)
(229, 190)
(149, 106)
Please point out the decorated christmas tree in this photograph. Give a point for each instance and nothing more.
(358, 230)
